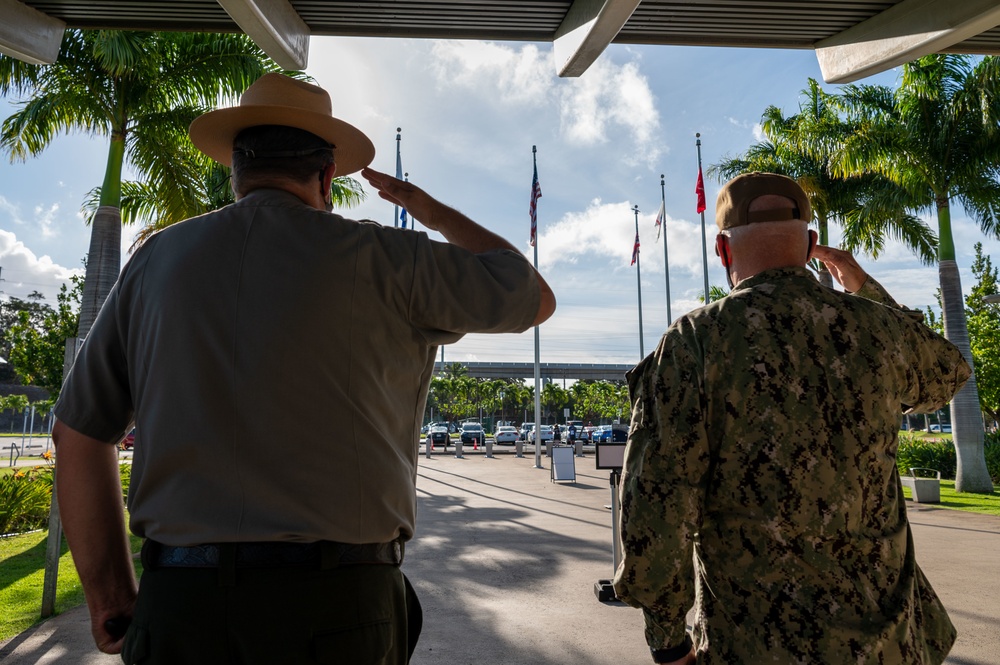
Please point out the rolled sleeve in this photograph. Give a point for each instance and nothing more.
(95, 399)
(455, 292)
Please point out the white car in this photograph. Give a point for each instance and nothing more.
(505, 434)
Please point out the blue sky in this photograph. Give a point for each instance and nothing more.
(470, 112)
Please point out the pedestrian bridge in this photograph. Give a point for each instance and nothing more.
(551, 371)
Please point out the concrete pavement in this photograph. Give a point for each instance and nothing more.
(505, 563)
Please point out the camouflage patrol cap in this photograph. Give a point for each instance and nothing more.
(732, 208)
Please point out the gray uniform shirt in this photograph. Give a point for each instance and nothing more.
(760, 482)
(276, 361)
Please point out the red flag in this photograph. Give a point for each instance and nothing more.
(699, 189)
(635, 249)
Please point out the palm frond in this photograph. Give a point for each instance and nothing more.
(347, 192)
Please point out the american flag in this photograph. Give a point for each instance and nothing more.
(659, 220)
(536, 193)
(635, 250)
(699, 189)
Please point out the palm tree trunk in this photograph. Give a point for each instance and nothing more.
(966, 417)
(103, 264)
(104, 255)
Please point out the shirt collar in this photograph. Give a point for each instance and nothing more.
(775, 273)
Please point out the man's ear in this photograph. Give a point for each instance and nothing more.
(813, 239)
(722, 250)
(328, 174)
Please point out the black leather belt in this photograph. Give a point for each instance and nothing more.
(321, 555)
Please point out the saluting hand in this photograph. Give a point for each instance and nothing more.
(418, 203)
(842, 266)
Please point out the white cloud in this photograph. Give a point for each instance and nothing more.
(44, 217)
(758, 133)
(11, 211)
(606, 231)
(522, 76)
(591, 110)
(24, 272)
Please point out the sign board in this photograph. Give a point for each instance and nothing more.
(610, 455)
(563, 465)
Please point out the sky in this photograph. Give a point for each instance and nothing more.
(470, 113)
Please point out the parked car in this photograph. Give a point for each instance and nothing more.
(525, 433)
(610, 434)
(545, 433)
(129, 441)
(946, 428)
(505, 434)
(472, 432)
(438, 436)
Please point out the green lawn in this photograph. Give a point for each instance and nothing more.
(22, 571)
(986, 504)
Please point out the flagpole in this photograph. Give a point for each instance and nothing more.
(638, 280)
(538, 364)
(663, 229)
(704, 240)
(399, 176)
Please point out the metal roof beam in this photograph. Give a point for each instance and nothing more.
(587, 29)
(29, 35)
(275, 27)
(904, 32)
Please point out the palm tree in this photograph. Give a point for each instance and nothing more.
(554, 398)
(938, 137)
(140, 90)
(868, 206)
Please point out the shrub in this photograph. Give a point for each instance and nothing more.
(25, 498)
(992, 444)
(940, 455)
(926, 454)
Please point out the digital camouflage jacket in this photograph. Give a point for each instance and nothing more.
(760, 483)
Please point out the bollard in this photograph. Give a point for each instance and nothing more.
(428, 447)
(579, 448)
(548, 448)
(458, 448)
(489, 448)
(519, 448)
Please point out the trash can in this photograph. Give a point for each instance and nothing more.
(924, 490)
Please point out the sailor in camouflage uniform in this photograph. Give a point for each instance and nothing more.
(760, 483)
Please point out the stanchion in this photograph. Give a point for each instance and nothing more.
(611, 456)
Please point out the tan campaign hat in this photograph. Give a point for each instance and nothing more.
(732, 208)
(276, 99)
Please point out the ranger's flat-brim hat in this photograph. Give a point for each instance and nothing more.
(732, 208)
(276, 99)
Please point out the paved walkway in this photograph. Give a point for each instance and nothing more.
(505, 563)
